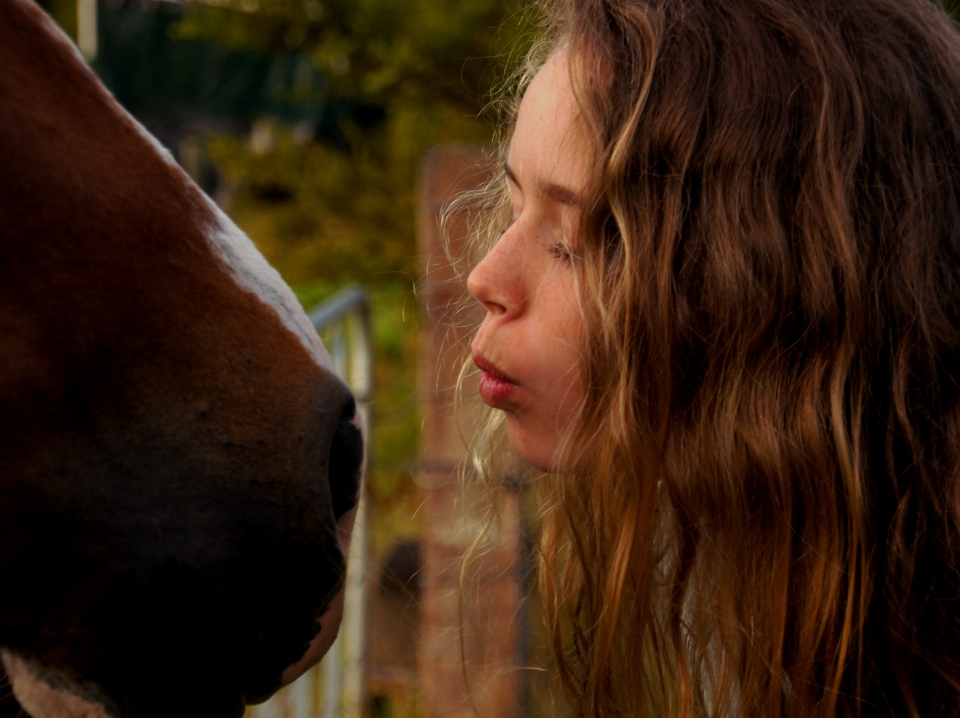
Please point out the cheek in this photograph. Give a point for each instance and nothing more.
(537, 427)
(572, 392)
(567, 396)
(562, 331)
(536, 432)
(559, 379)
(568, 352)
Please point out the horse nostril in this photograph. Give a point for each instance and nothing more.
(346, 458)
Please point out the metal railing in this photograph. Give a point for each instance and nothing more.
(343, 321)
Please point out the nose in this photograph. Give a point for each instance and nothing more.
(346, 461)
(494, 282)
(345, 467)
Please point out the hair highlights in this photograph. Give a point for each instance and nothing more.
(760, 517)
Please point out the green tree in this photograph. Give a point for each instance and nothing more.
(406, 75)
(338, 203)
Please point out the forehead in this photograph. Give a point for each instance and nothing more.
(549, 142)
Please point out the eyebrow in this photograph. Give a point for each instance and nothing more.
(555, 192)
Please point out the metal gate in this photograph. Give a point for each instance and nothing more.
(336, 687)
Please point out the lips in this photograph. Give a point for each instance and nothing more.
(495, 386)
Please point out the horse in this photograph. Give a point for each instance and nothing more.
(179, 463)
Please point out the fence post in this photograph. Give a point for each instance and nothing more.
(87, 40)
(485, 620)
(352, 354)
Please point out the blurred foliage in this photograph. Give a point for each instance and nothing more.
(64, 12)
(331, 200)
(344, 208)
(332, 207)
(154, 75)
(396, 425)
(344, 97)
(331, 197)
(450, 51)
(319, 212)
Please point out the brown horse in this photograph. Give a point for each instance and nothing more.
(178, 462)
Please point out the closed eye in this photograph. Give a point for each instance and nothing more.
(562, 252)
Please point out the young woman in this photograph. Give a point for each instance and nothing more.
(724, 314)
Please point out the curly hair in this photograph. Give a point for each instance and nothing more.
(761, 513)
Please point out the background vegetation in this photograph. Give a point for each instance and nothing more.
(336, 202)
(328, 190)
(310, 119)
(320, 167)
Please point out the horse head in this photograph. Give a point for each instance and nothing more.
(179, 463)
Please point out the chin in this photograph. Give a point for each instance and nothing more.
(535, 448)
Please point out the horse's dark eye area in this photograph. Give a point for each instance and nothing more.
(346, 458)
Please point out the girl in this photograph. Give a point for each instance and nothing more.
(724, 313)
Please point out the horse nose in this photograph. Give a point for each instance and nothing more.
(346, 461)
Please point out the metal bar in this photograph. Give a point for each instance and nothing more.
(338, 306)
(87, 28)
(332, 679)
(344, 668)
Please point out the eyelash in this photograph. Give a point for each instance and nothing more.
(562, 252)
(558, 251)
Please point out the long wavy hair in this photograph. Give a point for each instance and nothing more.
(760, 516)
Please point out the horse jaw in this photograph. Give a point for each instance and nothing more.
(40, 699)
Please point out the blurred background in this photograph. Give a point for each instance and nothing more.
(333, 132)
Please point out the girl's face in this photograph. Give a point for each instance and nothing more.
(528, 347)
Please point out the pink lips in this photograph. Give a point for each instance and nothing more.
(495, 386)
